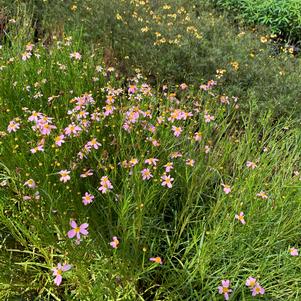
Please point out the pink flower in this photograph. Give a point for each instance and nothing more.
(114, 243)
(168, 166)
(75, 55)
(59, 140)
(294, 251)
(77, 231)
(227, 188)
(151, 161)
(190, 162)
(87, 173)
(132, 89)
(240, 217)
(58, 271)
(13, 126)
(105, 184)
(156, 259)
(45, 128)
(262, 195)
(251, 282)
(251, 165)
(35, 116)
(87, 198)
(257, 289)
(224, 289)
(64, 176)
(197, 136)
(30, 183)
(208, 117)
(26, 55)
(146, 174)
(72, 129)
(177, 131)
(167, 181)
(94, 144)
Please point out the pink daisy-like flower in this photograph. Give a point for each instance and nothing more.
(132, 89)
(294, 251)
(240, 217)
(257, 289)
(168, 166)
(13, 126)
(94, 144)
(75, 55)
(114, 243)
(105, 184)
(146, 174)
(58, 271)
(251, 165)
(30, 183)
(176, 130)
(156, 260)
(87, 173)
(151, 161)
(64, 175)
(77, 230)
(208, 118)
(59, 140)
(251, 282)
(197, 136)
(227, 188)
(87, 198)
(262, 195)
(224, 289)
(167, 181)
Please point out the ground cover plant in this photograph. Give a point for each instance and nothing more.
(114, 189)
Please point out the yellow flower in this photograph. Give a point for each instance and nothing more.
(118, 17)
(73, 7)
(145, 29)
(263, 39)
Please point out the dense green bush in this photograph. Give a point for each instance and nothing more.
(283, 17)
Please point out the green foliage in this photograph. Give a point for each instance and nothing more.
(282, 17)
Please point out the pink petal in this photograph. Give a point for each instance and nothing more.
(71, 233)
(58, 280)
(66, 267)
(84, 226)
(73, 224)
(225, 283)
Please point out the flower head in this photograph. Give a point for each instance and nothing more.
(30, 183)
(167, 181)
(114, 243)
(257, 289)
(146, 174)
(251, 282)
(294, 252)
(87, 198)
(58, 271)
(105, 184)
(224, 289)
(156, 260)
(240, 217)
(64, 176)
(77, 230)
(227, 188)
